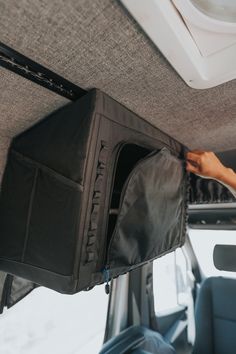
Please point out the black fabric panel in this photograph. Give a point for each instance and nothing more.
(151, 218)
(14, 207)
(13, 289)
(52, 227)
(65, 139)
(61, 283)
(19, 289)
(3, 277)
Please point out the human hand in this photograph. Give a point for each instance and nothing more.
(205, 164)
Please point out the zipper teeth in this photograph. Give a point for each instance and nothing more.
(121, 200)
(110, 198)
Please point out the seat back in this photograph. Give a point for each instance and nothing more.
(216, 317)
(137, 340)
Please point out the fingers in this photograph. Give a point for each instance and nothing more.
(204, 163)
(193, 161)
(191, 168)
(193, 156)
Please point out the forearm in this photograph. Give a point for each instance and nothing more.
(228, 177)
(207, 165)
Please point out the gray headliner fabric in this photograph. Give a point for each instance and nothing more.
(95, 43)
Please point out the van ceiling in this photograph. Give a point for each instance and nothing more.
(95, 43)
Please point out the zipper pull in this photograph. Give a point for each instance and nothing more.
(106, 273)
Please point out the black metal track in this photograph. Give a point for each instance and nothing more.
(29, 69)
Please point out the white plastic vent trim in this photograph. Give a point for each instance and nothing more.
(211, 35)
(222, 10)
(201, 20)
(163, 24)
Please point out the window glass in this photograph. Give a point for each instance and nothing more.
(49, 322)
(169, 282)
(204, 241)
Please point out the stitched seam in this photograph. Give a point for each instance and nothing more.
(29, 215)
(18, 263)
(150, 136)
(48, 170)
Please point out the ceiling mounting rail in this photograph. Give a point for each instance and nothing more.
(29, 69)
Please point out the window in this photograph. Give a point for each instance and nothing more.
(204, 241)
(170, 282)
(48, 322)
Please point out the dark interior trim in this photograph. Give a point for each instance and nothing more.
(212, 206)
(29, 69)
(213, 218)
(224, 257)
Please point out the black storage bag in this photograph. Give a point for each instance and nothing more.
(13, 289)
(62, 180)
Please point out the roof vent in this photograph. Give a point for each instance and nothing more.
(223, 10)
(198, 37)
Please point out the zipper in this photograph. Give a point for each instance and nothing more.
(117, 153)
(106, 269)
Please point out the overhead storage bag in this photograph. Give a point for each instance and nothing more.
(64, 195)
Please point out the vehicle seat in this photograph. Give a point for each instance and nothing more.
(216, 317)
(137, 340)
